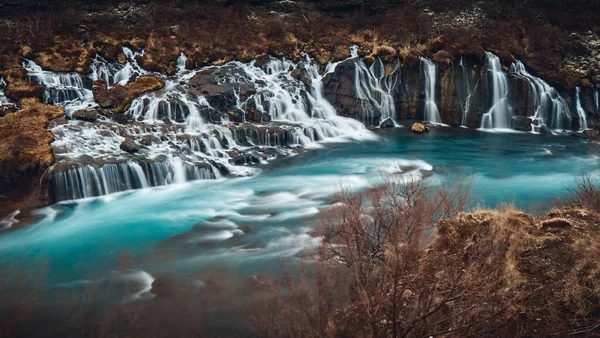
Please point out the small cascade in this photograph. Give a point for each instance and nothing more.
(3, 99)
(580, 111)
(88, 181)
(373, 90)
(69, 90)
(114, 73)
(432, 113)
(500, 114)
(181, 60)
(465, 92)
(550, 109)
(597, 99)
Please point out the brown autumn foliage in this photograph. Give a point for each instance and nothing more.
(403, 261)
(66, 36)
(400, 260)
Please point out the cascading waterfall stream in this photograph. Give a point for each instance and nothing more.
(185, 131)
(550, 109)
(500, 114)
(466, 92)
(3, 99)
(432, 113)
(373, 90)
(65, 89)
(580, 111)
(113, 73)
(180, 140)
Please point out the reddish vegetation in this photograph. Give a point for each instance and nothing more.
(117, 98)
(218, 32)
(489, 273)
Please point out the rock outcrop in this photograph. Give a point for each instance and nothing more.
(87, 114)
(419, 128)
(117, 98)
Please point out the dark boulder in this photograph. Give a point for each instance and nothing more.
(521, 123)
(129, 145)
(387, 123)
(147, 140)
(120, 118)
(87, 114)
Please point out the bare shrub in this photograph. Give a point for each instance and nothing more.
(586, 191)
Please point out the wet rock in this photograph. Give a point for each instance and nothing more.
(147, 140)
(521, 123)
(544, 130)
(120, 118)
(340, 90)
(129, 145)
(592, 135)
(387, 123)
(419, 128)
(87, 114)
(167, 121)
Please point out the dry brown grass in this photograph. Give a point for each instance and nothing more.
(25, 151)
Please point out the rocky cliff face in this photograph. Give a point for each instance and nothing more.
(464, 93)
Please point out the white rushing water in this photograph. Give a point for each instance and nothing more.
(580, 111)
(3, 99)
(113, 73)
(65, 89)
(186, 131)
(466, 92)
(500, 114)
(179, 139)
(432, 113)
(550, 109)
(374, 89)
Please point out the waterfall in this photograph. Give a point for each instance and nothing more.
(432, 113)
(88, 181)
(550, 109)
(181, 62)
(580, 111)
(597, 99)
(3, 99)
(500, 114)
(174, 127)
(65, 89)
(373, 90)
(113, 73)
(465, 92)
